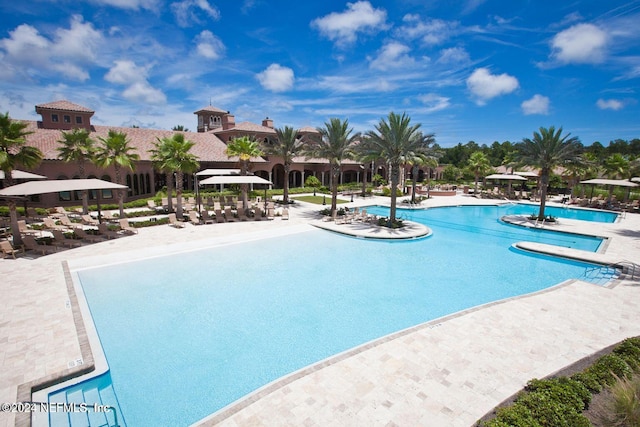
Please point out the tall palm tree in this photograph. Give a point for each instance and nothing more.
(479, 164)
(77, 146)
(335, 144)
(172, 155)
(545, 151)
(395, 140)
(115, 150)
(245, 149)
(419, 157)
(13, 153)
(616, 166)
(287, 146)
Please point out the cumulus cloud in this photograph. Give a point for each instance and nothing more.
(538, 104)
(190, 12)
(343, 27)
(276, 78)
(453, 55)
(429, 31)
(580, 44)
(485, 86)
(152, 5)
(609, 104)
(69, 52)
(209, 46)
(434, 102)
(392, 55)
(138, 89)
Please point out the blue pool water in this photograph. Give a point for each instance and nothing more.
(564, 212)
(187, 334)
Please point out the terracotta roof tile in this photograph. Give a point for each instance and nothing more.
(65, 106)
(211, 109)
(247, 127)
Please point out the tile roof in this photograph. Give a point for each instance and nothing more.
(308, 129)
(208, 147)
(247, 127)
(65, 106)
(211, 109)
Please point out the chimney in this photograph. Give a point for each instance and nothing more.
(268, 123)
(228, 121)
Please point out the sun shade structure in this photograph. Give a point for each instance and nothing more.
(18, 174)
(614, 182)
(506, 177)
(526, 174)
(215, 172)
(54, 186)
(235, 179)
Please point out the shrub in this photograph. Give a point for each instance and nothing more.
(630, 353)
(622, 406)
(608, 367)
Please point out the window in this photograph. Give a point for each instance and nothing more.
(54, 118)
(67, 119)
(78, 120)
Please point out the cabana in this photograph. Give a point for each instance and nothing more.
(30, 188)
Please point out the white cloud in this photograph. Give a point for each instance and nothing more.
(392, 55)
(276, 78)
(28, 53)
(434, 102)
(485, 86)
(209, 46)
(125, 72)
(453, 55)
(152, 5)
(430, 31)
(610, 104)
(189, 12)
(538, 104)
(581, 44)
(343, 28)
(142, 92)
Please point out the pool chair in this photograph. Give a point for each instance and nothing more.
(30, 244)
(173, 221)
(59, 239)
(228, 215)
(8, 249)
(242, 215)
(104, 230)
(124, 226)
(285, 213)
(259, 214)
(50, 224)
(271, 214)
(92, 238)
(219, 215)
(193, 218)
(89, 220)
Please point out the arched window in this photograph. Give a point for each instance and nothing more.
(148, 181)
(136, 187)
(106, 194)
(130, 190)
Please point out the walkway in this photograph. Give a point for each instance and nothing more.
(448, 372)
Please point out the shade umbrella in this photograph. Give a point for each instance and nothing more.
(506, 177)
(611, 182)
(18, 174)
(54, 186)
(237, 179)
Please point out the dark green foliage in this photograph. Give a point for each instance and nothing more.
(630, 353)
(608, 367)
(567, 391)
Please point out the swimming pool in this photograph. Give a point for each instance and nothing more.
(187, 334)
(563, 212)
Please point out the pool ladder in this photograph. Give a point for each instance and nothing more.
(630, 269)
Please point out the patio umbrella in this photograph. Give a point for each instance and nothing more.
(54, 186)
(18, 174)
(609, 182)
(238, 179)
(506, 177)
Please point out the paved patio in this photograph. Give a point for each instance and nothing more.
(447, 372)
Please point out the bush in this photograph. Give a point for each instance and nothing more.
(608, 367)
(630, 353)
(386, 191)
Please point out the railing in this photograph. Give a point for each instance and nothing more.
(628, 269)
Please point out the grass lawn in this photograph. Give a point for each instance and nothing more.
(318, 199)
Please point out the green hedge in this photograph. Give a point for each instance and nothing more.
(560, 401)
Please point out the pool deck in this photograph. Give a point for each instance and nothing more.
(448, 372)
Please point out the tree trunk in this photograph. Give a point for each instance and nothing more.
(395, 175)
(120, 193)
(84, 194)
(179, 213)
(13, 218)
(414, 182)
(285, 193)
(335, 173)
(244, 187)
(170, 191)
(544, 183)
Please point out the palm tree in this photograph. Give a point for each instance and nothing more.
(245, 149)
(77, 146)
(616, 166)
(335, 144)
(545, 151)
(479, 164)
(287, 146)
(418, 158)
(114, 150)
(172, 155)
(430, 163)
(395, 140)
(14, 152)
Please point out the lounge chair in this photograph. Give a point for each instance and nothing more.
(228, 215)
(173, 221)
(258, 215)
(59, 239)
(89, 220)
(103, 229)
(219, 216)
(285, 213)
(23, 229)
(193, 218)
(50, 224)
(242, 215)
(8, 249)
(124, 226)
(30, 244)
(206, 218)
(87, 237)
(32, 214)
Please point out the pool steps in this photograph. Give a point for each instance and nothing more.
(99, 391)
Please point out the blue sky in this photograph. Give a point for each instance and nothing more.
(478, 70)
